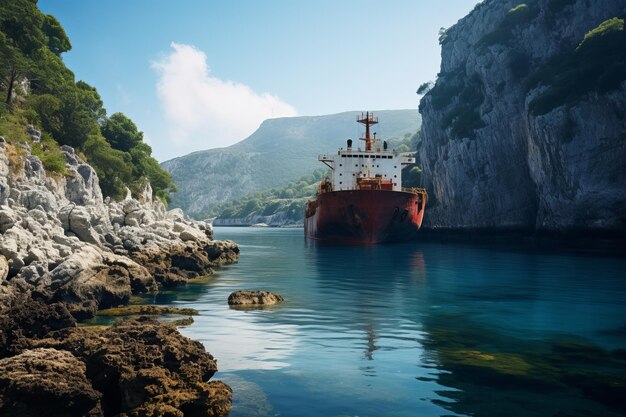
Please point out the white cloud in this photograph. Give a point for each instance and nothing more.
(203, 111)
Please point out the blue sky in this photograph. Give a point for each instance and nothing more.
(199, 74)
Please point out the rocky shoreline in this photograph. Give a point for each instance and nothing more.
(65, 253)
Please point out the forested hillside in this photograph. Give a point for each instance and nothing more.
(37, 89)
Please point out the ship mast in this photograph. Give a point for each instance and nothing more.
(367, 119)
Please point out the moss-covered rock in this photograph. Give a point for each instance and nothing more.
(146, 310)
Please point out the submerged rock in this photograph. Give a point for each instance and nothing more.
(254, 297)
(143, 367)
(147, 310)
(135, 367)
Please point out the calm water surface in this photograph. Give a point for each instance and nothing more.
(420, 329)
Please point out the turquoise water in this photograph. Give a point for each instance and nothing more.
(420, 329)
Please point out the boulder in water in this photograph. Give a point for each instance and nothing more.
(254, 298)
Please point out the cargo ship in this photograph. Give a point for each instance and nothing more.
(362, 200)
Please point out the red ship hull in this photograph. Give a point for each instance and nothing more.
(365, 216)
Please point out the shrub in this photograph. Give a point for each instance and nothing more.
(604, 28)
(463, 119)
(518, 7)
(516, 16)
(50, 154)
(13, 126)
(424, 88)
(448, 86)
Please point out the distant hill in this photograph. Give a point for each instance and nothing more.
(278, 152)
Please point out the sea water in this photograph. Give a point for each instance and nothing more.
(426, 328)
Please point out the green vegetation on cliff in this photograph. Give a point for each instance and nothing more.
(37, 88)
(519, 15)
(597, 65)
(464, 99)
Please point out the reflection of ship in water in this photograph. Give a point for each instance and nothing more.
(376, 283)
(371, 342)
(380, 268)
(369, 369)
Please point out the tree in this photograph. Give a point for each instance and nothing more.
(113, 166)
(14, 67)
(91, 101)
(48, 108)
(58, 41)
(424, 88)
(148, 167)
(121, 132)
(78, 121)
(22, 22)
(443, 34)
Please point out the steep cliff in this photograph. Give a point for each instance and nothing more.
(525, 127)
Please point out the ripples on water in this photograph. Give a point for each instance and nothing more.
(420, 329)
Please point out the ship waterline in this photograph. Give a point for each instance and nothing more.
(362, 200)
(366, 216)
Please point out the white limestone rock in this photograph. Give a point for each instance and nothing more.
(4, 269)
(60, 239)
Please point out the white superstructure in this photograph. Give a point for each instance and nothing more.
(370, 169)
(349, 165)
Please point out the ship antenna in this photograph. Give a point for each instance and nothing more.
(367, 119)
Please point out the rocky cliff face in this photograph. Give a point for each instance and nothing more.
(491, 159)
(60, 241)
